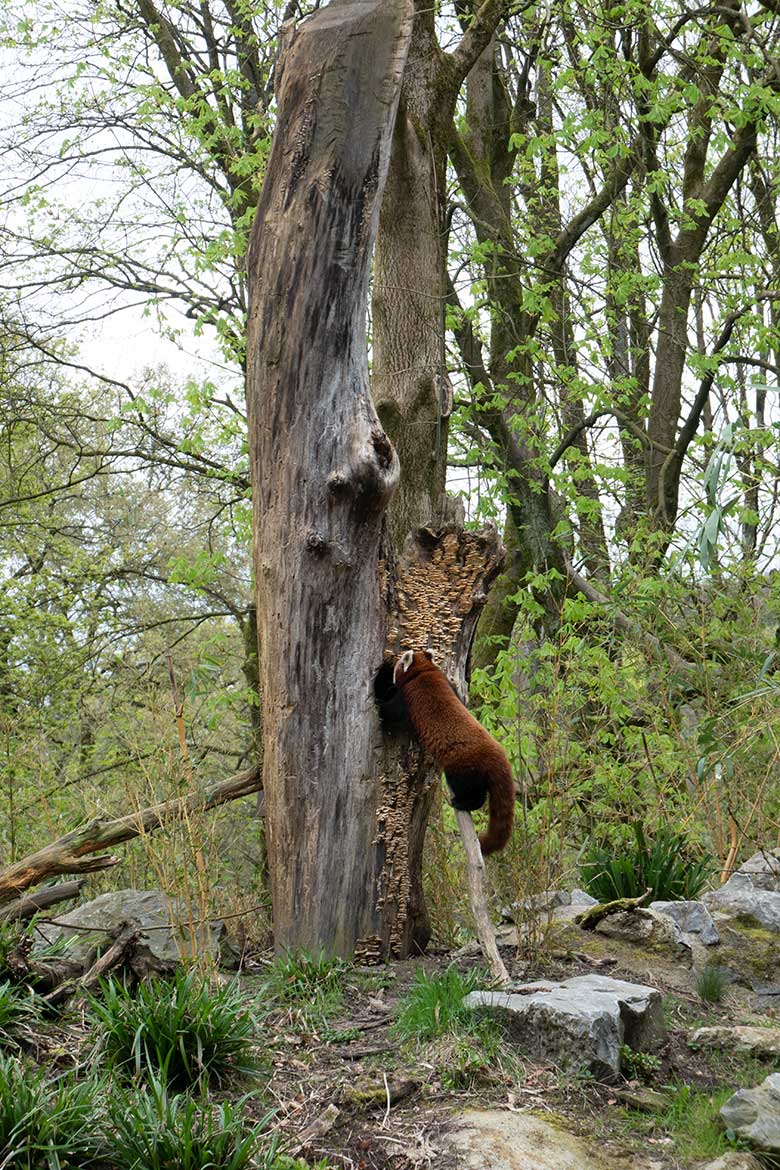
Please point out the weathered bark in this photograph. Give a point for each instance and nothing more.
(409, 385)
(70, 854)
(322, 469)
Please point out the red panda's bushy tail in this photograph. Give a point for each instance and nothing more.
(501, 799)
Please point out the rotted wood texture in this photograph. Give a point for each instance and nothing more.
(435, 595)
(323, 470)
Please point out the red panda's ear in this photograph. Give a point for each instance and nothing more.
(429, 656)
(403, 664)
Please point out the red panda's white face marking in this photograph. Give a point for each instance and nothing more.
(403, 664)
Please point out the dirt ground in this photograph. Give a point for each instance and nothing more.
(353, 1094)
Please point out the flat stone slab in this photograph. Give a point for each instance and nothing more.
(734, 1160)
(500, 1140)
(740, 1038)
(692, 918)
(754, 1115)
(582, 1021)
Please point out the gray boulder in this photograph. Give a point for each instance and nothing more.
(498, 1139)
(692, 918)
(754, 1115)
(160, 946)
(740, 895)
(582, 1021)
(734, 1160)
(644, 928)
(763, 869)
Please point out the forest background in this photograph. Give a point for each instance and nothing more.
(579, 238)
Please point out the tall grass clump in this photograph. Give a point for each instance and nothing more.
(184, 1030)
(45, 1124)
(711, 982)
(311, 982)
(665, 866)
(157, 1130)
(434, 1006)
(17, 1008)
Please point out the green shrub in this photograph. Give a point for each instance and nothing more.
(155, 1130)
(47, 1125)
(183, 1030)
(664, 866)
(638, 1064)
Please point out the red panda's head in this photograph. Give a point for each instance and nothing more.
(411, 664)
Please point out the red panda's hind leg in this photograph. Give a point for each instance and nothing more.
(469, 790)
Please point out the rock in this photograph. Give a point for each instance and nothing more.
(159, 948)
(691, 918)
(582, 898)
(748, 950)
(500, 1140)
(763, 869)
(764, 1042)
(754, 1115)
(740, 895)
(643, 1098)
(734, 1160)
(581, 1021)
(644, 928)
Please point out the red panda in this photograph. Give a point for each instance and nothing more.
(473, 762)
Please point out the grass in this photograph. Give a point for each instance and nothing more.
(694, 1124)
(711, 982)
(434, 1006)
(465, 1046)
(184, 1031)
(310, 984)
(17, 1008)
(45, 1124)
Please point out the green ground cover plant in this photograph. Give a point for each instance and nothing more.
(185, 1031)
(664, 865)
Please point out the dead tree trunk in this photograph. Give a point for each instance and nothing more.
(322, 468)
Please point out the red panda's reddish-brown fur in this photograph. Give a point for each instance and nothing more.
(475, 765)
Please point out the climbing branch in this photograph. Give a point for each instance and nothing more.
(476, 878)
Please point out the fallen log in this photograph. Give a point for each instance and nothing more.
(41, 900)
(590, 918)
(70, 854)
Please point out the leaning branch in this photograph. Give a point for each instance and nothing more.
(70, 854)
(476, 875)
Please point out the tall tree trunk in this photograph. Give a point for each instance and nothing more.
(322, 469)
